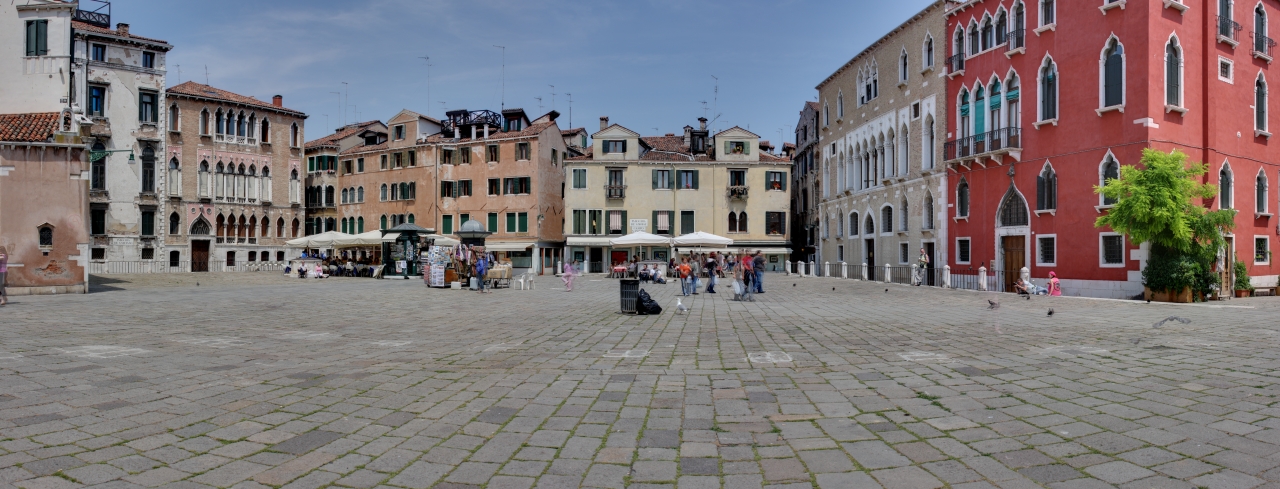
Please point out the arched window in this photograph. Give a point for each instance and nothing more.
(266, 130)
(928, 51)
(826, 115)
(360, 194)
(1013, 110)
(742, 222)
(280, 227)
(964, 114)
(219, 126)
(975, 41)
(1017, 38)
(930, 139)
(253, 125)
(201, 227)
(1048, 90)
(853, 224)
(344, 196)
(840, 105)
(1224, 188)
(1260, 103)
(988, 34)
(266, 226)
(1110, 171)
(328, 196)
(294, 231)
(1261, 42)
(886, 219)
(345, 229)
(903, 66)
(1226, 27)
(383, 195)
(175, 223)
(1002, 27)
(173, 117)
(1047, 12)
(1260, 193)
(240, 125)
(410, 218)
(962, 198)
(1173, 73)
(293, 135)
(204, 122)
(957, 45)
(359, 225)
(46, 236)
(869, 228)
(926, 221)
(733, 222)
(1113, 74)
(384, 222)
(1013, 210)
(1047, 189)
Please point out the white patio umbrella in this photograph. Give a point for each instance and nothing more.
(700, 238)
(322, 240)
(371, 238)
(640, 238)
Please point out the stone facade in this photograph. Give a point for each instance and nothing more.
(881, 126)
(235, 197)
(806, 185)
(500, 169)
(724, 184)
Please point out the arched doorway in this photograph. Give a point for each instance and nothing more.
(199, 247)
(1013, 228)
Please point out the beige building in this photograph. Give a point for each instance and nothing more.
(670, 185)
(881, 128)
(322, 194)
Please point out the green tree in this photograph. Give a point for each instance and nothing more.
(1159, 203)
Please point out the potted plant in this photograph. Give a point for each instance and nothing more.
(1242, 285)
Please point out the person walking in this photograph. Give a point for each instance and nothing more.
(713, 268)
(757, 263)
(482, 267)
(922, 268)
(4, 275)
(568, 275)
(747, 268)
(695, 272)
(683, 271)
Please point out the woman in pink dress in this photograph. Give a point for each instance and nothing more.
(567, 277)
(1055, 287)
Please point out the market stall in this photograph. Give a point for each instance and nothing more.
(401, 246)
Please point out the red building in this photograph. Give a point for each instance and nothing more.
(1052, 97)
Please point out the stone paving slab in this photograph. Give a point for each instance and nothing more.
(257, 380)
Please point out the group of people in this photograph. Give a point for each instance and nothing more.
(747, 270)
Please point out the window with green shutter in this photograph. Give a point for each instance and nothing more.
(579, 178)
(511, 222)
(688, 179)
(413, 158)
(148, 223)
(776, 180)
(661, 179)
(523, 224)
(463, 218)
(37, 37)
(446, 225)
(311, 164)
(579, 221)
(493, 221)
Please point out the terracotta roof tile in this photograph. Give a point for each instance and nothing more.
(812, 105)
(81, 26)
(570, 132)
(28, 128)
(205, 91)
(362, 149)
(332, 139)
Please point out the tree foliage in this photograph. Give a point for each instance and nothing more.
(1158, 203)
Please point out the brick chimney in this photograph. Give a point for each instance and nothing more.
(604, 122)
(702, 123)
(122, 28)
(277, 101)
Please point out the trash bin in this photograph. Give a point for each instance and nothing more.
(630, 290)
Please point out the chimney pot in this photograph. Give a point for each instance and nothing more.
(604, 122)
(702, 123)
(277, 101)
(122, 28)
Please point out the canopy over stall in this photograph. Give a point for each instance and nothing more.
(640, 238)
(700, 238)
(323, 240)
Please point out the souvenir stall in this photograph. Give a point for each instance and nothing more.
(401, 247)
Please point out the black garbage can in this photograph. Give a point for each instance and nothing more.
(630, 291)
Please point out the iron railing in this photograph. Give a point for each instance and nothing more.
(1229, 29)
(955, 63)
(615, 191)
(900, 274)
(1262, 44)
(1017, 38)
(184, 266)
(737, 192)
(999, 139)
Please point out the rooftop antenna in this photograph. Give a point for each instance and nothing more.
(443, 108)
(179, 73)
(504, 75)
(206, 74)
(570, 109)
(715, 108)
(355, 111)
(428, 60)
(339, 94)
(326, 120)
(704, 108)
(553, 96)
(539, 99)
(346, 97)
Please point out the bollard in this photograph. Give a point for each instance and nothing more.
(826, 269)
(786, 267)
(887, 271)
(914, 268)
(862, 270)
(982, 278)
(844, 270)
(946, 276)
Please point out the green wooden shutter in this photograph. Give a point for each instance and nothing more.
(655, 179)
(727, 147)
(626, 225)
(31, 38)
(746, 149)
(42, 37)
(493, 222)
(695, 178)
(524, 222)
(783, 175)
(511, 222)
(654, 222)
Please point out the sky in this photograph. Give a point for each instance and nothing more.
(646, 64)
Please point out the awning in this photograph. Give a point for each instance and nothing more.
(582, 241)
(507, 246)
(775, 251)
(390, 237)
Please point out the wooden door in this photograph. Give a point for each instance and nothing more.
(200, 256)
(1013, 249)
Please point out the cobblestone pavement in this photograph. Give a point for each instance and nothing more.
(255, 379)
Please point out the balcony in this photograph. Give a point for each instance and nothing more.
(615, 191)
(1228, 31)
(1263, 46)
(99, 196)
(955, 65)
(737, 192)
(1017, 41)
(987, 145)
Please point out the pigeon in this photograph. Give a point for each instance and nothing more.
(1050, 311)
(886, 291)
(793, 285)
(833, 289)
(1171, 318)
(1136, 340)
(990, 304)
(197, 284)
(680, 308)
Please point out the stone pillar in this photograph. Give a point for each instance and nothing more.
(826, 269)
(844, 270)
(982, 278)
(887, 271)
(914, 268)
(862, 270)
(946, 276)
